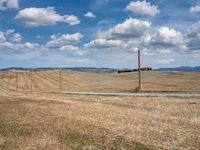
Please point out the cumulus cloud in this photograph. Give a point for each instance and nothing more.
(103, 43)
(113, 45)
(195, 9)
(9, 31)
(130, 28)
(194, 30)
(142, 8)
(73, 49)
(12, 41)
(16, 37)
(89, 14)
(128, 36)
(9, 4)
(134, 34)
(166, 37)
(193, 36)
(71, 20)
(28, 46)
(170, 39)
(34, 17)
(125, 36)
(69, 48)
(2, 37)
(64, 39)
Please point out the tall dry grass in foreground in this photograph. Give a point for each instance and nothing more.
(97, 122)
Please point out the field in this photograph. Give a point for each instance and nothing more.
(57, 121)
(49, 81)
(96, 122)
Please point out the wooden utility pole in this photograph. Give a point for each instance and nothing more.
(60, 80)
(139, 72)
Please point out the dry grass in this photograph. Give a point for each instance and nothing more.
(52, 121)
(48, 81)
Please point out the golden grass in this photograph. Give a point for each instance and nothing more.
(50, 121)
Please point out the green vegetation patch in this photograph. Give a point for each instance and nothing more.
(14, 129)
(79, 141)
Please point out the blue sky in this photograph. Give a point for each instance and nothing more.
(100, 33)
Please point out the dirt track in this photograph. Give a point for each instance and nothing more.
(184, 95)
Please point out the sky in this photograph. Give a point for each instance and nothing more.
(99, 33)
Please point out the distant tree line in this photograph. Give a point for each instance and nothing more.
(134, 70)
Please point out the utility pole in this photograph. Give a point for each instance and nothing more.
(60, 80)
(139, 72)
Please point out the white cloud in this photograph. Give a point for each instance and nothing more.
(64, 39)
(146, 39)
(28, 46)
(6, 46)
(11, 41)
(16, 37)
(9, 31)
(195, 9)
(168, 37)
(11, 35)
(130, 28)
(89, 14)
(126, 36)
(2, 37)
(193, 37)
(166, 61)
(133, 34)
(69, 48)
(194, 30)
(103, 43)
(34, 17)
(143, 8)
(72, 20)
(9, 4)
(129, 46)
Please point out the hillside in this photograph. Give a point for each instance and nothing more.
(49, 81)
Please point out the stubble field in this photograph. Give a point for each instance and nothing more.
(49, 81)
